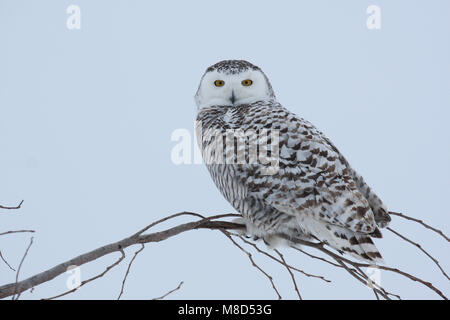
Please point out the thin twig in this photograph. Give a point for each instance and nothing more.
(421, 222)
(395, 270)
(250, 257)
(6, 262)
(12, 208)
(320, 247)
(278, 260)
(128, 270)
(171, 291)
(358, 275)
(422, 249)
(375, 284)
(376, 294)
(355, 272)
(316, 257)
(15, 231)
(185, 213)
(290, 272)
(91, 279)
(14, 297)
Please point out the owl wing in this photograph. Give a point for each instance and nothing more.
(313, 179)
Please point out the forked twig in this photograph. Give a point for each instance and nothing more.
(128, 270)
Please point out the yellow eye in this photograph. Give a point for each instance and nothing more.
(247, 82)
(219, 83)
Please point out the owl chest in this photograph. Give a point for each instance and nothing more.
(226, 180)
(221, 151)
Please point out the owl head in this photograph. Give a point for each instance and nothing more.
(233, 83)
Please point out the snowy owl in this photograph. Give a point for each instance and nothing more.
(312, 193)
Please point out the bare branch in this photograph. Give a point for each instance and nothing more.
(211, 223)
(173, 290)
(137, 238)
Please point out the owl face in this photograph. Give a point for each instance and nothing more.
(233, 83)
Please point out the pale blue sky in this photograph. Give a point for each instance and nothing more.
(86, 118)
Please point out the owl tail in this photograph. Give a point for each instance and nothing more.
(358, 245)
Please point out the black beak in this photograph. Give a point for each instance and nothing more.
(233, 98)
